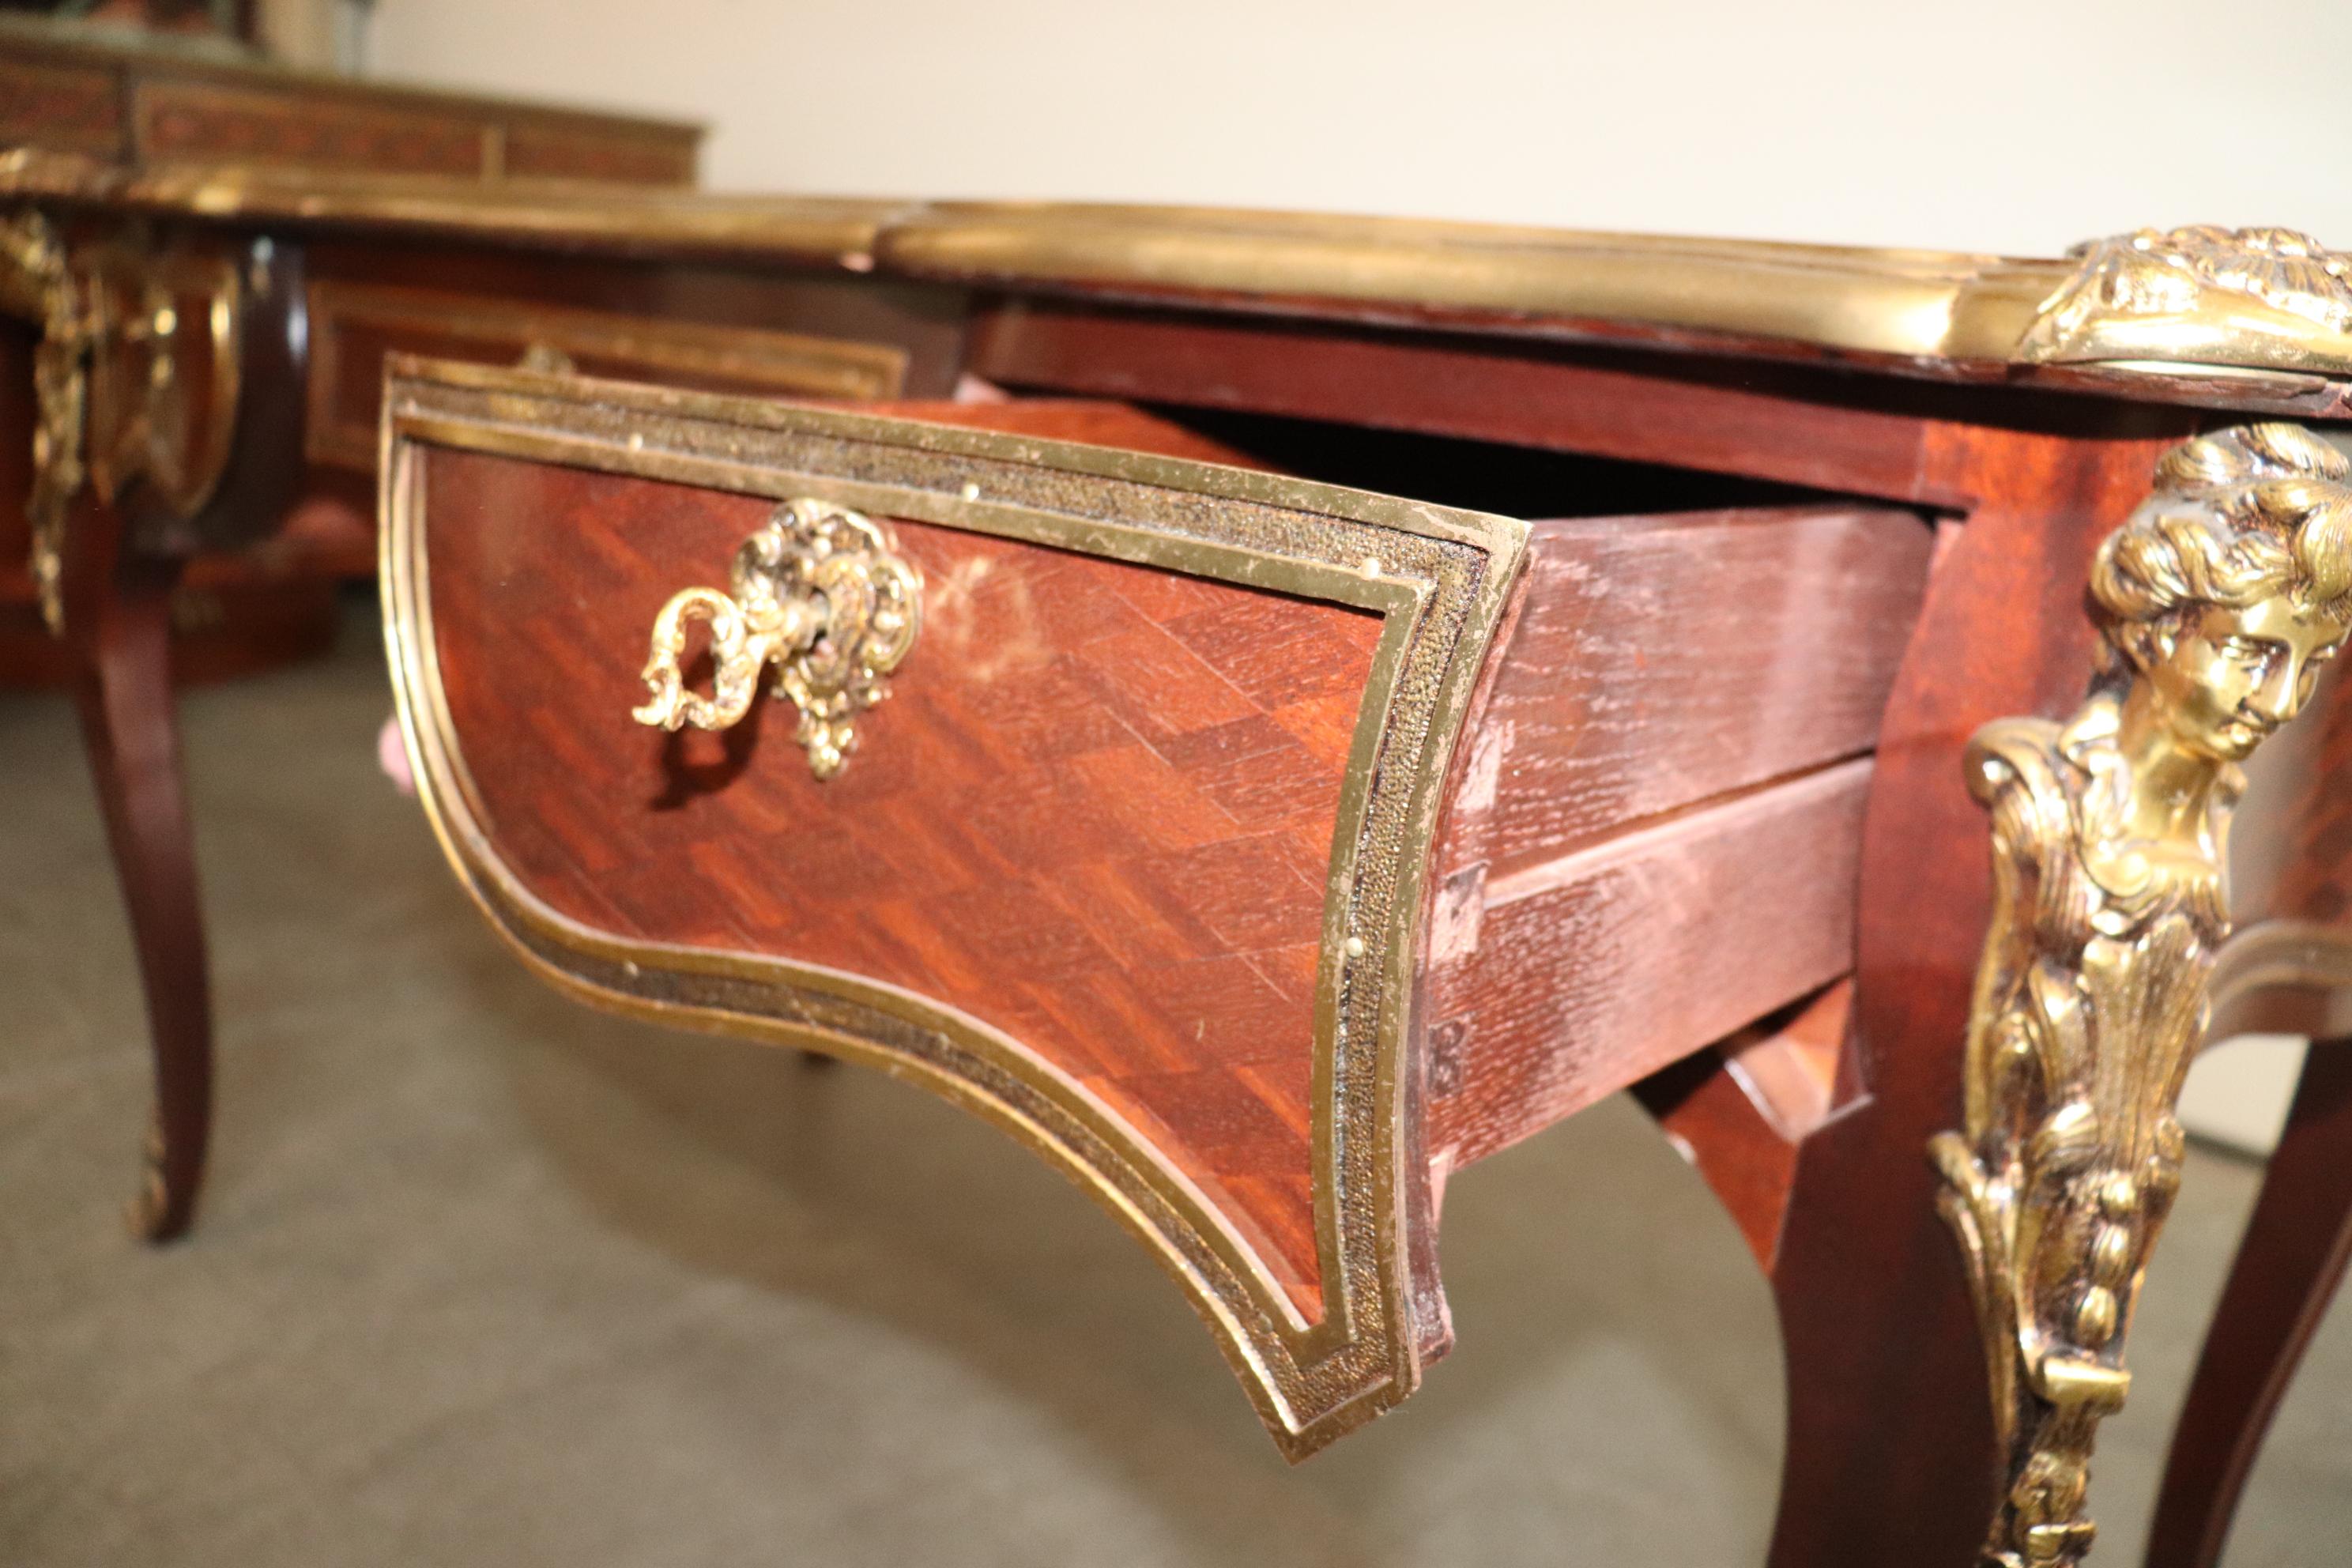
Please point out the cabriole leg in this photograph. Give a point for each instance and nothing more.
(2292, 1257)
(119, 619)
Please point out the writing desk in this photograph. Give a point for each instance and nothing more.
(1261, 849)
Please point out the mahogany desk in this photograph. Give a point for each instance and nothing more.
(1261, 850)
(160, 105)
(151, 102)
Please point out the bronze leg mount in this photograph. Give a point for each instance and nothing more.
(2217, 600)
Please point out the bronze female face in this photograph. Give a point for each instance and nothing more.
(2225, 594)
(2233, 674)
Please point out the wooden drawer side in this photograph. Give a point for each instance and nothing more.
(1658, 831)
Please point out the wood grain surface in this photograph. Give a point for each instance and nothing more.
(1782, 424)
(1739, 1110)
(1661, 661)
(118, 618)
(53, 104)
(1095, 815)
(240, 125)
(1592, 971)
(534, 152)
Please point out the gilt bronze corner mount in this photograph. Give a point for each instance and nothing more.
(135, 373)
(36, 283)
(2218, 600)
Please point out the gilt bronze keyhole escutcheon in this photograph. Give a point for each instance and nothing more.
(820, 591)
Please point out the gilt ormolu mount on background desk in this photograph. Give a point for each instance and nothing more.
(1263, 851)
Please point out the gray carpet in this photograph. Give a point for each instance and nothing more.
(484, 1278)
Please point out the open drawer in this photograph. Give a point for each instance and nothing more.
(1256, 850)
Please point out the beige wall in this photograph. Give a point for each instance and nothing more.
(1992, 124)
(2238, 1092)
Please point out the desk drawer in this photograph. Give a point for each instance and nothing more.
(629, 157)
(212, 122)
(1157, 851)
(353, 326)
(71, 108)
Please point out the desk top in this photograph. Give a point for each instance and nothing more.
(2254, 319)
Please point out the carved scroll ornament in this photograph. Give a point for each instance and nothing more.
(2217, 601)
(820, 591)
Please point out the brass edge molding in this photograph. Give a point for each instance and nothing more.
(1441, 585)
(814, 231)
(1911, 304)
(787, 364)
(2251, 301)
(2238, 311)
(2217, 601)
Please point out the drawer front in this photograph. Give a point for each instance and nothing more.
(208, 121)
(353, 326)
(73, 108)
(620, 157)
(1131, 860)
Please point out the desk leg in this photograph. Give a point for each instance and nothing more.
(119, 620)
(1892, 1455)
(2292, 1257)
